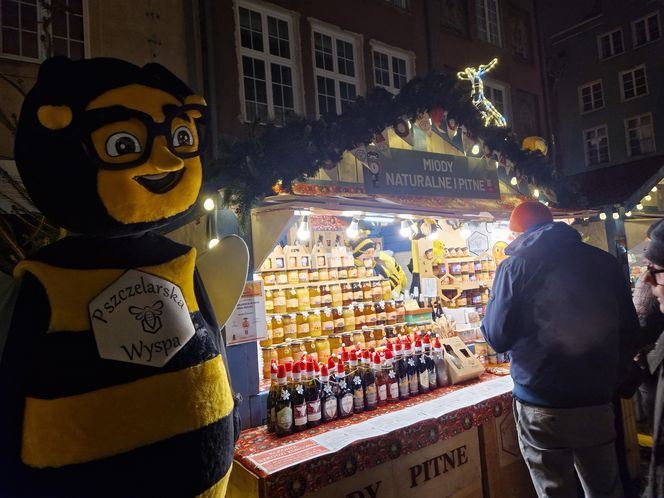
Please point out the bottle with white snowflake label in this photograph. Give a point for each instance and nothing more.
(381, 380)
(431, 366)
(391, 377)
(422, 370)
(328, 400)
(356, 383)
(312, 397)
(272, 397)
(283, 405)
(411, 368)
(345, 394)
(370, 386)
(299, 403)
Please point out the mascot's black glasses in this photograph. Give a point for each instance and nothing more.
(120, 138)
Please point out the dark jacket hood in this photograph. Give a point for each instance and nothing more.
(544, 238)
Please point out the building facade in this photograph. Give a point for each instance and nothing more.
(606, 73)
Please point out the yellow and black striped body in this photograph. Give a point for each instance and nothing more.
(76, 424)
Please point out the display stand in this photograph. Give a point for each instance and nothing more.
(444, 440)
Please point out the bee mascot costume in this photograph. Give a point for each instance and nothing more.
(384, 264)
(113, 381)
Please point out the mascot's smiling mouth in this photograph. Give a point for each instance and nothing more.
(162, 182)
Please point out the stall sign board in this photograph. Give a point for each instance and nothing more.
(448, 468)
(425, 174)
(248, 321)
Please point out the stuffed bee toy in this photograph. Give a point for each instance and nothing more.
(113, 381)
(364, 254)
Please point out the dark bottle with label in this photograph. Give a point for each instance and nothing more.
(411, 367)
(312, 397)
(431, 366)
(381, 380)
(283, 405)
(356, 383)
(391, 377)
(422, 370)
(345, 394)
(370, 386)
(299, 403)
(328, 400)
(441, 365)
(402, 373)
(272, 397)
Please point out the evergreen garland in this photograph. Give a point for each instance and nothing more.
(248, 169)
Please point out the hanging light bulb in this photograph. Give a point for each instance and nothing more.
(615, 216)
(639, 207)
(654, 189)
(433, 232)
(628, 214)
(602, 216)
(465, 232)
(303, 232)
(353, 229)
(536, 193)
(213, 242)
(475, 150)
(514, 181)
(208, 204)
(405, 230)
(648, 197)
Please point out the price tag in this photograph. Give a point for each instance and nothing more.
(429, 287)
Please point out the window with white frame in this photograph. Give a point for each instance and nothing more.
(498, 95)
(640, 135)
(34, 30)
(596, 145)
(335, 68)
(268, 65)
(391, 70)
(488, 21)
(646, 29)
(591, 96)
(633, 83)
(610, 44)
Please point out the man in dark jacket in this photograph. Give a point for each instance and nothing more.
(563, 310)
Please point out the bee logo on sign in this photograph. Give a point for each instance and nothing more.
(148, 316)
(141, 318)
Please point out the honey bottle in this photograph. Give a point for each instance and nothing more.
(369, 315)
(268, 340)
(327, 322)
(269, 302)
(346, 294)
(376, 291)
(391, 313)
(349, 319)
(366, 292)
(303, 303)
(357, 292)
(360, 319)
(337, 296)
(381, 314)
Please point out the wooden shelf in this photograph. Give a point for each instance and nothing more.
(323, 308)
(318, 284)
(468, 285)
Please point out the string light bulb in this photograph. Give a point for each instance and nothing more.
(654, 189)
(475, 150)
(405, 230)
(303, 232)
(628, 214)
(602, 216)
(639, 207)
(514, 181)
(213, 243)
(536, 193)
(208, 204)
(648, 197)
(353, 229)
(615, 216)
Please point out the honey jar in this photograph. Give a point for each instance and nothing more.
(387, 290)
(361, 271)
(297, 350)
(302, 322)
(338, 317)
(290, 327)
(353, 271)
(358, 338)
(268, 340)
(303, 275)
(277, 329)
(269, 278)
(390, 312)
(333, 273)
(346, 294)
(347, 339)
(379, 335)
(315, 324)
(310, 347)
(292, 277)
(269, 354)
(366, 292)
(325, 296)
(323, 274)
(357, 292)
(369, 341)
(342, 272)
(337, 296)
(279, 301)
(292, 303)
(269, 302)
(313, 275)
(327, 322)
(381, 314)
(335, 344)
(323, 348)
(283, 353)
(314, 297)
(349, 319)
(360, 319)
(369, 315)
(302, 299)
(281, 277)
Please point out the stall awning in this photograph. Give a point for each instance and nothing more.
(624, 184)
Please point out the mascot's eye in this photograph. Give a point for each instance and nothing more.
(182, 136)
(122, 143)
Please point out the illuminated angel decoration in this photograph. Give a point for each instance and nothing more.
(489, 112)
